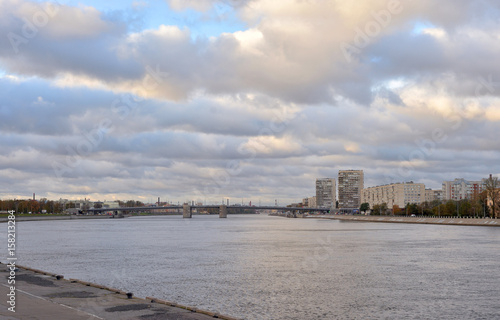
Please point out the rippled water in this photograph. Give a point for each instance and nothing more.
(261, 267)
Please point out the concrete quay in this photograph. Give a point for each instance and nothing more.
(415, 220)
(41, 296)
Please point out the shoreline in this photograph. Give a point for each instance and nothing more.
(77, 217)
(39, 294)
(477, 222)
(48, 217)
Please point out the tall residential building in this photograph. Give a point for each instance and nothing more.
(399, 194)
(351, 184)
(459, 189)
(326, 193)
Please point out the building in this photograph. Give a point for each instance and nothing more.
(459, 189)
(433, 195)
(75, 204)
(399, 194)
(311, 202)
(110, 204)
(351, 183)
(305, 202)
(326, 193)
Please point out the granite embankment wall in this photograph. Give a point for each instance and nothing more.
(418, 220)
(41, 295)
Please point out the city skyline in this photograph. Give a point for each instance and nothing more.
(206, 100)
(462, 189)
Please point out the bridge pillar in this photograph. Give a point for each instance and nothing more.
(186, 211)
(223, 211)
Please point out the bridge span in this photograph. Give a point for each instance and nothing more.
(187, 210)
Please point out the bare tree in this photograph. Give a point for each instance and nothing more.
(493, 193)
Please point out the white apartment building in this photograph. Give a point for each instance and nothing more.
(399, 194)
(459, 189)
(326, 196)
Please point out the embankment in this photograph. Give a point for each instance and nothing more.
(49, 217)
(416, 220)
(40, 295)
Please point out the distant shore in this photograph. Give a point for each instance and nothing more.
(36, 217)
(46, 217)
(416, 220)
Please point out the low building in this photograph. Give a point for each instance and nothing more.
(433, 195)
(305, 202)
(399, 194)
(311, 202)
(110, 204)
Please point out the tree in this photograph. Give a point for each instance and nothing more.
(396, 210)
(493, 193)
(130, 203)
(139, 204)
(364, 207)
(34, 206)
(383, 208)
(450, 208)
(465, 207)
(425, 208)
(412, 208)
(379, 209)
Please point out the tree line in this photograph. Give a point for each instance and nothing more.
(50, 206)
(33, 206)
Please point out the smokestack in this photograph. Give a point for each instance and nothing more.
(158, 201)
(34, 194)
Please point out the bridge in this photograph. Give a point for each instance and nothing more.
(187, 210)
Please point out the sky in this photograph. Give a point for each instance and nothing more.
(247, 100)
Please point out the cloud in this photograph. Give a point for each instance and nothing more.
(291, 50)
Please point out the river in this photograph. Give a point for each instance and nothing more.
(262, 267)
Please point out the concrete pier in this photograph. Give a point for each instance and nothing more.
(223, 211)
(186, 211)
(41, 295)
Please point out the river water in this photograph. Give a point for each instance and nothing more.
(262, 267)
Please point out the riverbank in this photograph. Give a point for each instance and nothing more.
(41, 295)
(415, 220)
(56, 217)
